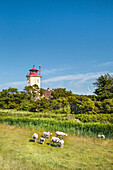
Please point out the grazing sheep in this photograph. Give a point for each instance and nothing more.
(42, 140)
(101, 136)
(35, 137)
(62, 134)
(46, 134)
(61, 143)
(54, 140)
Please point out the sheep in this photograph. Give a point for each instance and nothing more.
(62, 134)
(42, 140)
(101, 136)
(61, 143)
(46, 134)
(35, 137)
(54, 140)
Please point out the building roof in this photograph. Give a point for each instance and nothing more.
(33, 68)
(47, 93)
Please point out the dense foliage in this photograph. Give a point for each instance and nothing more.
(61, 101)
(104, 86)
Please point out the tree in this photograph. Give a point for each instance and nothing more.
(28, 90)
(42, 104)
(59, 103)
(9, 98)
(41, 92)
(26, 105)
(4, 93)
(32, 91)
(35, 91)
(108, 105)
(81, 104)
(60, 92)
(13, 90)
(104, 86)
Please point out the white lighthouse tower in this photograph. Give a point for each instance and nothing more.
(34, 77)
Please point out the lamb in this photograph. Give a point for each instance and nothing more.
(62, 134)
(42, 140)
(46, 134)
(54, 140)
(61, 143)
(35, 137)
(101, 136)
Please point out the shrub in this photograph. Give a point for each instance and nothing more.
(102, 118)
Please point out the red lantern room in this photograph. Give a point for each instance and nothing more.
(33, 71)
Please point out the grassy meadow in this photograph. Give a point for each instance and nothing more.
(18, 151)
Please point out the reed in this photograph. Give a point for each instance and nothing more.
(69, 126)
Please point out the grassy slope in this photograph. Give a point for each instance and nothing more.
(17, 152)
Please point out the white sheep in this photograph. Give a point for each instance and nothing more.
(46, 134)
(101, 136)
(42, 140)
(62, 134)
(35, 137)
(54, 140)
(61, 143)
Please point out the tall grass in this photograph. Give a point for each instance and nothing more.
(69, 126)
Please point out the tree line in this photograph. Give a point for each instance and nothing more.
(61, 101)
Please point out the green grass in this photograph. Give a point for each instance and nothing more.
(69, 126)
(17, 152)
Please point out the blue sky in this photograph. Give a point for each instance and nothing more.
(72, 40)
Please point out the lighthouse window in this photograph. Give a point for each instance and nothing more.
(37, 81)
(33, 71)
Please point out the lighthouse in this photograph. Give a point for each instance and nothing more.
(34, 77)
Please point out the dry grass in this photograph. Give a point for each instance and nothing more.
(18, 151)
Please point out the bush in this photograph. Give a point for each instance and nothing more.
(102, 118)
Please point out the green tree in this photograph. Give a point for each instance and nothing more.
(42, 104)
(104, 86)
(108, 105)
(41, 92)
(60, 92)
(32, 91)
(9, 98)
(13, 90)
(25, 105)
(59, 103)
(81, 104)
